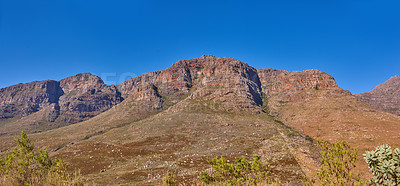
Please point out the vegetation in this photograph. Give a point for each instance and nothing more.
(169, 179)
(23, 167)
(265, 103)
(241, 172)
(384, 163)
(337, 164)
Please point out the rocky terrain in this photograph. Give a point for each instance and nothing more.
(71, 100)
(385, 96)
(174, 119)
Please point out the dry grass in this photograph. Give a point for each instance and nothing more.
(142, 151)
(335, 118)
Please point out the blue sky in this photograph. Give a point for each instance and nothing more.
(357, 41)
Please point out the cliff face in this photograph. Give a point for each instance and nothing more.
(275, 81)
(70, 100)
(222, 83)
(225, 81)
(385, 96)
(24, 99)
(86, 95)
(297, 85)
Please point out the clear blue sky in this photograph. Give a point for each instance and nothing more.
(356, 41)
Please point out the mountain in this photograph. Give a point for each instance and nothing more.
(43, 105)
(174, 119)
(385, 96)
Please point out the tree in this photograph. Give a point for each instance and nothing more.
(241, 172)
(337, 163)
(23, 167)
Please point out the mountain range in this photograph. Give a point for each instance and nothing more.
(173, 119)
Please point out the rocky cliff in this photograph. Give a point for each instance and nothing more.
(275, 81)
(385, 96)
(230, 83)
(70, 100)
(24, 99)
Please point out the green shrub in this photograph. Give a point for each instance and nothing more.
(337, 164)
(23, 167)
(384, 163)
(241, 172)
(169, 179)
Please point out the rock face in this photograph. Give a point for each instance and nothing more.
(85, 95)
(24, 99)
(70, 100)
(291, 86)
(385, 96)
(275, 81)
(230, 82)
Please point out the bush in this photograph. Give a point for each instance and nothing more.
(169, 179)
(241, 172)
(24, 167)
(337, 163)
(384, 163)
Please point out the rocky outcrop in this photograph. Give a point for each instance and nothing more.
(385, 96)
(70, 100)
(24, 99)
(86, 95)
(228, 81)
(275, 81)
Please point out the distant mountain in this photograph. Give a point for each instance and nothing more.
(385, 96)
(43, 105)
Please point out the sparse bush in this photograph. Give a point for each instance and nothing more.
(169, 179)
(384, 163)
(24, 167)
(241, 172)
(337, 163)
(265, 103)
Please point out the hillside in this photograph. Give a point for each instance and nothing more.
(311, 103)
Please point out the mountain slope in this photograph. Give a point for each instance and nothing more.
(328, 112)
(385, 96)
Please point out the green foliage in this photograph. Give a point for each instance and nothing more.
(199, 68)
(337, 163)
(384, 163)
(169, 179)
(265, 103)
(24, 167)
(241, 172)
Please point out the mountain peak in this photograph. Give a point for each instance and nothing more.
(390, 86)
(385, 96)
